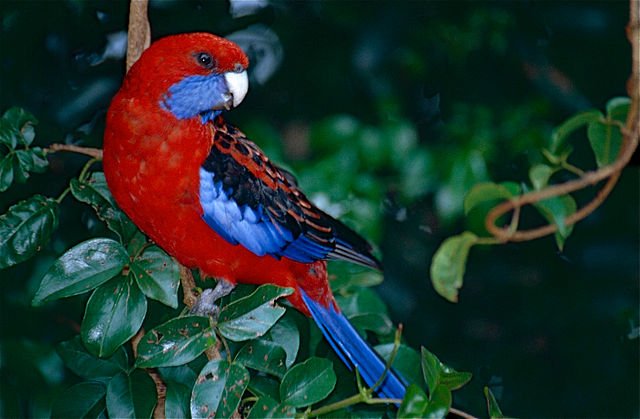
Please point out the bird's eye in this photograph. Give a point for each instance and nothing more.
(205, 60)
(238, 68)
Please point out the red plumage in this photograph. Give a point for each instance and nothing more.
(152, 161)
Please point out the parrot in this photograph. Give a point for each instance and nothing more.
(209, 196)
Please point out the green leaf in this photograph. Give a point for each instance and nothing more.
(95, 192)
(218, 389)
(114, 313)
(307, 383)
(131, 396)
(414, 403)
(606, 140)
(265, 385)
(492, 404)
(489, 191)
(540, 175)
(16, 127)
(176, 404)
(176, 342)
(556, 210)
(263, 355)
(81, 269)
(26, 228)
(82, 400)
(286, 335)
(6, 170)
(618, 108)
(82, 363)
(438, 374)
(448, 265)
(378, 323)
(157, 275)
(439, 403)
(266, 408)
(561, 132)
(251, 316)
(405, 361)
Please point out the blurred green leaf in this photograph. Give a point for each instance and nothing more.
(540, 175)
(266, 407)
(81, 269)
(95, 192)
(264, 356)
(176, 342)
(6, 170)
(308, 382)
(618, 108)
(405, 361)
(176, 404)
(218, 389)
(414, 404)
(82, 400)
(556, 210)
(16, 127)
(561, 132)
(439, 403)
(81, 362)
(131, 396)
(448, 264)
(333, 132)
(157, 275)
(378, 323)
(114, 313)
(26, 228)
(492, 405)
(488, 191)
(606, 140)
(251, 316)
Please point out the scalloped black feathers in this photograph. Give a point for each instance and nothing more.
(250, 201)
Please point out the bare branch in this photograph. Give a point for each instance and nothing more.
(139, 34)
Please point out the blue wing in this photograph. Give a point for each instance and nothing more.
(249, 201)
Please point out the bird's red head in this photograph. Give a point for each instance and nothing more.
(190, 74)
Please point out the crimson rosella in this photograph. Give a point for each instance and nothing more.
(209, 196)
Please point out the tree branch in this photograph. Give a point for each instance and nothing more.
(96, 153)
(612, 172)
(139, 31)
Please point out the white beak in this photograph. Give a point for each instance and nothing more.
(238, 85)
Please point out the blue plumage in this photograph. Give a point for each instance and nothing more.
(353, 350)
(188, 97)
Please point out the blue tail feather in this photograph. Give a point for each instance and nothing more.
(353, 350)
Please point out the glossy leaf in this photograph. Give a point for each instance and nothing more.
(26, 228)
(82, 400)
(285, 334)
(606, 140)
(7, 164)
(218, 389)
(414, 403)
(82, 363)
(308, 382)
(95, 192)
(556, 210)
(157, 275)
(265, 385)
(378, 323)
(131, 396)
(114, 313)
(176, 342)
(405, 361)
(17, 127)
(448, 265)
(439, 403)
(561, 132)
(251, 316)
(438, 374)
(176, 404)
(81, 269)
(487, 192)
(492, 404)
(263, 355)
(266, 408)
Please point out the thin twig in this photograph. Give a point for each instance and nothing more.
(612, 172)
(96, 153)
(461, 413)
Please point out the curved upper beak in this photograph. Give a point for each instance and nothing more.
(237, 87)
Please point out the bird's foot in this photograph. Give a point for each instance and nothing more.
(206, 303)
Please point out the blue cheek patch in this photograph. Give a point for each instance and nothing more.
(195, 95)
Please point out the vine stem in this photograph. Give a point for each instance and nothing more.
(96, 153)
(612, 172)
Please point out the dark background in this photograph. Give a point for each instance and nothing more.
(478, 87)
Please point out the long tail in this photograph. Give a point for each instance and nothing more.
(353, 350)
